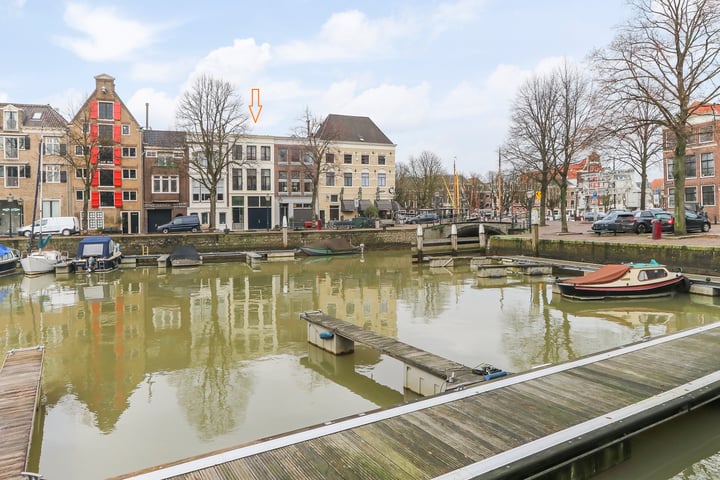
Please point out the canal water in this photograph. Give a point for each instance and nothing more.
(145, 366)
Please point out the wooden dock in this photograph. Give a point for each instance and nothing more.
(513, 427)
(19, 389)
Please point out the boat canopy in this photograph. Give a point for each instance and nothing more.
(95, 247)
(606, 274)
(5, 250)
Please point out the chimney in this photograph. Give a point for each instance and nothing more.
(147, 116)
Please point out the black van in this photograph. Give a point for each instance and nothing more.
(182, 223)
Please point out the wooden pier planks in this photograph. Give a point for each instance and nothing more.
(19, 388)
(494, 420)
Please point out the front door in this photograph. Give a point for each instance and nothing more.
(130, 222)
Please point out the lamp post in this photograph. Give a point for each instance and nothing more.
(9, 209)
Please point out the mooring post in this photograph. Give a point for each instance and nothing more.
(535, 239)
(284, 231)
(481, 236)
(419, 243)
(453, 238)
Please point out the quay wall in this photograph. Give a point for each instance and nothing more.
(691, 259)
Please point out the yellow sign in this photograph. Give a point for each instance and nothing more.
(538, 195)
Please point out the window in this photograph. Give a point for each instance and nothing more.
(12, 176)
(365, 159)
(199, 193)
(129, 173)
(690, 166)
(691, 194)
(347, 179)
(265, 153)
(671, 198)
(708, 195)
(79, 195)
(96, 220)
(365, 179)
(670, 166)
(106, 177)
(129, 195)
(107, 199)
(10, 120)
(164, 159)
(265, 179)
(282, 155)
(706, 134)
(347, 158)
(308, 185)
(165, 184)
(105, 133)
(707, 165)
(81, 150)
(129, 152)
(295, 156)
(251, 178)
(52, 146)
(330, 179)
(329, 158)
(381, 159)
(52, 173)
(282, 181)
(125, 129)
(251, 152)
(106, 155)
(295, 181)
(11, 148)
(105, 110)
(308, 158)
(81, 173)
(237, 179)
(381, 180)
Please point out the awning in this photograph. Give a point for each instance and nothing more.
(384, 205)
(365, 204)
(347, 205)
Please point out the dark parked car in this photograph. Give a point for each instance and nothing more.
(181, 223)
(696, 222)
(423, 218)
(615, 222)
(644, 220)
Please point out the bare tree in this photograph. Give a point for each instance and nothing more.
(425, 178)
(576, 125)
(666, 56)
(212, 114)
(531, 143)
(318, 139)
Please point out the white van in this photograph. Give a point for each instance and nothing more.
(64, 225)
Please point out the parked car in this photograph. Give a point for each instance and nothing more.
(181, 223)
(615, 222)
(356, 222)
(591, 216)
(644, 220)
(696, 222)
(64, 225)
(423, 218)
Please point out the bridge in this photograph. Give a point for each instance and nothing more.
(513, 427)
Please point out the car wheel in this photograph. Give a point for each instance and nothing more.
(165, 230)
(26, 234)
(706, 227)
(194, 230)
(641, 228)
(66, 232)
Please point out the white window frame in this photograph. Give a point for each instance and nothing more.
(52, 173)
(52, 145)
(10, 120)
(165, 183)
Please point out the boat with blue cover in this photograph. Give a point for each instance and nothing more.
(97, 254)
(8, 260)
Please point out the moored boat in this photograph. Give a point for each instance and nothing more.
(39, 262)
(8, 260)
(331, 246)
(184, 256)
(633, 280)
(97, 254)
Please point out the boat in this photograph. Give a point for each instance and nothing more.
(8, 260)
(331, 246)
(627, 280)
(97, 254)
(184, 256)
(40, 261)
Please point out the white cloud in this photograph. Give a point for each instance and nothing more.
(449, 15)
(241, 63)
(104, 34)
(161, 108)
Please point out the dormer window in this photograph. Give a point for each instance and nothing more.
(10, 120)
(37, 115)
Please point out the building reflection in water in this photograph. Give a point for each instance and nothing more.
(209, 357)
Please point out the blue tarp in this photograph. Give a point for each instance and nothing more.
(101, 247)
(4, 250)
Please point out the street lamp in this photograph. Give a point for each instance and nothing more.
(9, 209)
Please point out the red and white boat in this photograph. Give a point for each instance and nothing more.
(632, 280)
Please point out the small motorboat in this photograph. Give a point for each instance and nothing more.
(632, 280)
(331, 246)
(184, 256)
(97, 254)
(8, 260)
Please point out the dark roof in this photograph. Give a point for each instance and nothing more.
(48, 118)
(163, 139)
(347, 128)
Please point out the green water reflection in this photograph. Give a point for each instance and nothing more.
(145, 367)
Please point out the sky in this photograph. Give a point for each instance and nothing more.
(436, 76)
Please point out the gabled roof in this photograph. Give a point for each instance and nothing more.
(163, 139)
(347, 128)
(46, 117)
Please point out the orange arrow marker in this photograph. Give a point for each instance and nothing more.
(255, 96)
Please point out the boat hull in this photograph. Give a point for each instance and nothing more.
(41, 262)
(327, 251)
(97, 264)
(601, 291)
